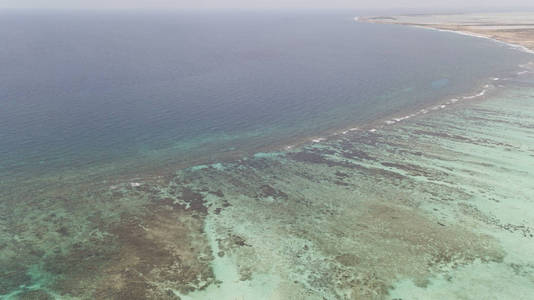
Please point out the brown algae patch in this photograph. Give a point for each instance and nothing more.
(127, 242)
(158, 255)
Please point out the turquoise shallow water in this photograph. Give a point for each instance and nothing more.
(438, 206)
(434, 206)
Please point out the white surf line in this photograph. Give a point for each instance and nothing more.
(465, 33)
(438, 106)
(482, 93)
(318, 140)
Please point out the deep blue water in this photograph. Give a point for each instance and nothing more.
(78, 89)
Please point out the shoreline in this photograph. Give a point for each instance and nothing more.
(319, 221)
(517, 36)
(128, 169)
(129, 172)
(518, 47)
(122, 169)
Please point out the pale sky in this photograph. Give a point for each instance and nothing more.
(267, 4)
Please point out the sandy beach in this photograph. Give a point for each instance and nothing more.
(511, 28)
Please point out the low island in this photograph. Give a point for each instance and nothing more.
(511, 28)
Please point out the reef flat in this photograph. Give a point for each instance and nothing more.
(511, 28)
(436, 206)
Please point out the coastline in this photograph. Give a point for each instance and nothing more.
(308, 222)
(109, 174)
(467, 33)
(475, 25)
(133, 167)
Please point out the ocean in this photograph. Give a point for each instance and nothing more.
(83, 89)
(157, 155)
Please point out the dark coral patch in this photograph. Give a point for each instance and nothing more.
(217, 193)
(341, 174)
(195, 200)
(268, 191)
(357, 155)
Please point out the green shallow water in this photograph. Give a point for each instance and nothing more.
(438, 206)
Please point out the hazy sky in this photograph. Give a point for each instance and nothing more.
(271, 4)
